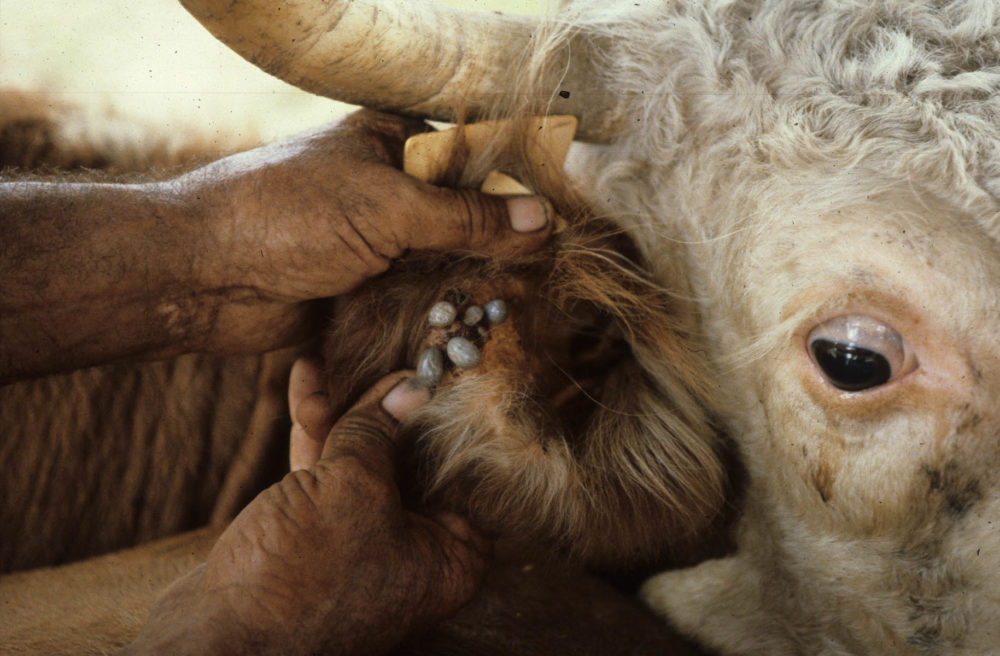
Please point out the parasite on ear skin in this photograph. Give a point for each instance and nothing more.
(473, 315)
(441, 314)
(430, 367)
(463, 353)
(496, 311)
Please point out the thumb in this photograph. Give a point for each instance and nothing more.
(368, 429)
(465, 219)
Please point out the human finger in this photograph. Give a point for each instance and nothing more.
(459, 559)
(308, 401)
(303, 450)
(465, 219)
(465, 532)
(305, 379)
(449, 219)
(309, 409)
(315, 416)
(366, 432)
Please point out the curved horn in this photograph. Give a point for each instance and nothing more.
(404, 56)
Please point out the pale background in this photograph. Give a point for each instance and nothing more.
(149, 58)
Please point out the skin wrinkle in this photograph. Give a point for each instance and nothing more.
(300, 482)
(314, 480)
(802, 611)
(390, 246)
(468, 206)
(359, 246)
(363, 430)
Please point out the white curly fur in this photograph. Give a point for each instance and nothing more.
(791, 160)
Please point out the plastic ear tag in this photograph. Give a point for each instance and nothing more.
(501, 184)
(546, 142)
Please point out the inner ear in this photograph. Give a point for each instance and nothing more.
(585, 426)
(560, 350)
(581, 428)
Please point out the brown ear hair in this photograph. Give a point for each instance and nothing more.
(587, 424)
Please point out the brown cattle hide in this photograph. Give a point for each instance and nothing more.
(110, 457)
(42, 135)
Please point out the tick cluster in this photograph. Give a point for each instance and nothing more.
(460, 350)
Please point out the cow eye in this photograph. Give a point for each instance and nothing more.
(856, 352)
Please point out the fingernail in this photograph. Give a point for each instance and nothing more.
(404, 398)
(527, 213)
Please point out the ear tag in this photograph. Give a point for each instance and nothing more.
(547, 139)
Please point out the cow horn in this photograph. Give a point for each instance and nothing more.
(406, 56)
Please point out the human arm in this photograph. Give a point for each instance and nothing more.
(230, 257)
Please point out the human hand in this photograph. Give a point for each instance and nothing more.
(312, 414)
(327, 560)
(314, 216)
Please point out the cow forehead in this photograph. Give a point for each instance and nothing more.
(899, 256)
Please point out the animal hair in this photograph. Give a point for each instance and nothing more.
(741, 109)
(43, 137)
(730, 102)
(728, 96)
(593, 432)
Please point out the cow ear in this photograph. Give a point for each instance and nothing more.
(718, 603)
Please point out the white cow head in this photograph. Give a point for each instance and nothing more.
(856, 337)
(832, 186)
(822, 179)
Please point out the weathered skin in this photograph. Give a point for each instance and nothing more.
(785, 163)
(129, 453)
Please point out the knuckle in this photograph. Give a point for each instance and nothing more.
(481, 218)
(291, 498)
(384, 134)
(354, 476)
(296, 487)
(366, 428)
(362, 453)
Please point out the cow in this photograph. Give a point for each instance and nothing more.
(162, 447)
(814, 186)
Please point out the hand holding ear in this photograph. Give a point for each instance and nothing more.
(327, 560)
